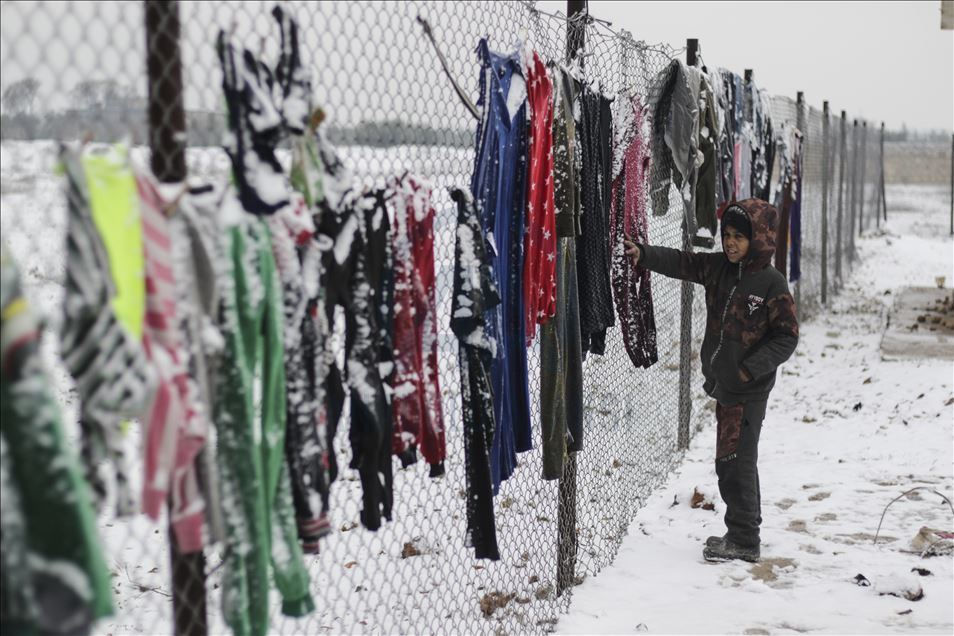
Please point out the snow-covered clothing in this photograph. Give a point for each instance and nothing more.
(475, 298)
(359, 281)
(53, 578)
(256, 492)
(498, 187)
(174, 433)
(417, 412)
(113, 378)
(631, 285)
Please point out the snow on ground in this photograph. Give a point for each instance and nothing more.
(845, 434)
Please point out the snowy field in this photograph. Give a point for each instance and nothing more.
(846, 433)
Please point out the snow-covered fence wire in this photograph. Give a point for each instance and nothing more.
(78, 71)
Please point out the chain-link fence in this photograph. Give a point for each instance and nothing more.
(79, 71)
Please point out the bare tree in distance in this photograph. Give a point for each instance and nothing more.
(18, 98)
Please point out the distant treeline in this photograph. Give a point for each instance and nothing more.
(207, 129)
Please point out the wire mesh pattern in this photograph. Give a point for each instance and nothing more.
(78, 70)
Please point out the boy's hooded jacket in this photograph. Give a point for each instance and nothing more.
(750, 314)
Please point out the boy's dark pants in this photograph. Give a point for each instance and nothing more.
(737, 454)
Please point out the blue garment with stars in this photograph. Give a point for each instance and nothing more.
(499, 188)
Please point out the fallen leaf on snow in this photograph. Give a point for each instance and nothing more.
(699, 501)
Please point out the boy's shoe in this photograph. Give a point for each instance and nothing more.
(725, 550)
(713, 541)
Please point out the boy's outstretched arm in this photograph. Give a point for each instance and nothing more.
(780, 340)
(670, 262)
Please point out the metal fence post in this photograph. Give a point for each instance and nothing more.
(685, 328)
(880, 205)
(167, 128)
(852, 200)
(566, 526)
(862, 179)
(824, 242)
(843, 155)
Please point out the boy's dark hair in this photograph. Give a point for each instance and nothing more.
(736, 217)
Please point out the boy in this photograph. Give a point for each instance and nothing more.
(751, 329)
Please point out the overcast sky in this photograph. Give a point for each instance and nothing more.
(885, 61)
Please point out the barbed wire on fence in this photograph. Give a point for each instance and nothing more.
(78, 70)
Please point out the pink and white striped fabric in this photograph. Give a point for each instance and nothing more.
(174, 434)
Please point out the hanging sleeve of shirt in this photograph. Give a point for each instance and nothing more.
(174, 434)
(539, 263)
(54, 576)
(113, 378)
(475, 298)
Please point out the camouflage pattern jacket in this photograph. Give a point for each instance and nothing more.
(751, 324)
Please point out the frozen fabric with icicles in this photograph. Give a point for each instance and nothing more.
(472, 306)
(416, 403)
(54, 578)
(113, 378)
(631, 285)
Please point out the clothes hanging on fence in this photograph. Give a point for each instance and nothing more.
(54, 577)
(789, 149)
(198, 265)
(795, 220)
(320, 176)
(592, 249)
(473, 306)
(291, 230)
(706, 201)
(685, 109)
(763, 149)
(725, 104)
(358, 281)
(417, 412)
(113, 378)
(174, 433)
(631, 285)
(561, 355)
(256, 492)
(498, 187)
(256, 127)
(539, 263)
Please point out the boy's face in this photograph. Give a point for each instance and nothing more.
(734, 244)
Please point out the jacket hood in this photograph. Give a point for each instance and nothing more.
(764, 219)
